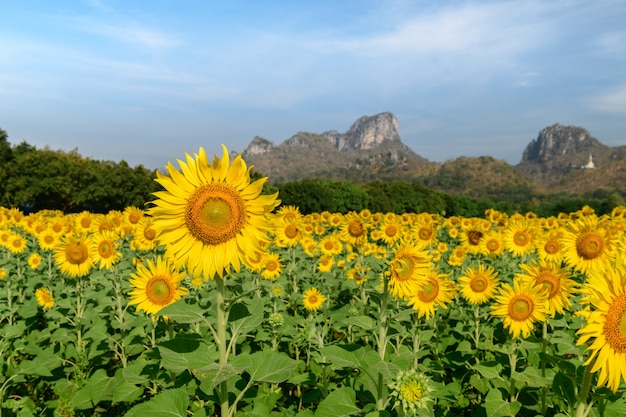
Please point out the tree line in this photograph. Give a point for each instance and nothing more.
(34, 179)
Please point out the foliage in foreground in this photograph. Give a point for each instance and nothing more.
(352, 348)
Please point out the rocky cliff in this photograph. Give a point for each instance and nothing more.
(370, 149)
(560, 159)
(559, 151)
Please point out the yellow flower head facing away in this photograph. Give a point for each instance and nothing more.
(210, 216)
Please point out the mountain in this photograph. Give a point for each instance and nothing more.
(370, 149)
(560, 151)
(565, 159)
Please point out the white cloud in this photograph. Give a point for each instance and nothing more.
(612, 101)
(130, 33)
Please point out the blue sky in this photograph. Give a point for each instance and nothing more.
(146, 81)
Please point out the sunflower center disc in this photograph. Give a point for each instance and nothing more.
(590, 246)
(429, 292)
(105, 249)
(551, 247)
(404, 269)
(615, 325)
(550, 283)
(159, 291)
(215, 213)
(76, 254)
(520, 308)
(478, 284)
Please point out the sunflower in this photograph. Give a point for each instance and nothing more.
(313, 299)
(330, 245)
(390, 231)
(519, 237)
(425, 232)
(289, 214)
(411, 392)
(457, 256)
(44, 298)
(132, 215)
(144, 235)
(3, 274)
(436, 290)
(210, 216)
(104, 249)
(84, 221)
(353, 229)
(606, 294)
(554, 280)
(479, 285)
(521, 306)
(325, 263)
(16, 243)
(491, 244)
(409, 265)
(34, 260)
(358, 274)
(288, 234)
(588, 245)
(272, 266)
(156, 286)
(72, 255)
(47, 239)
(550, 245)
(255, 260)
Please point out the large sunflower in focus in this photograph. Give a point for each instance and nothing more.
(606, 325)
(211, 216)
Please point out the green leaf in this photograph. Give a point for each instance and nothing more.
(345, 356)
(364, 322)
(213, 375)
(169, 403)
(186, 352)
(341, 402)
(563, 386)
(245, 317)
(41, 365)
(498, 407)
(98, 388)
(271, 367)
(182, 312)
(490, 370)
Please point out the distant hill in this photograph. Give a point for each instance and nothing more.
(558, 160)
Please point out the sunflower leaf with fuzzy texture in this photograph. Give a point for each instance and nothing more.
(169, 403)
(183, 312)
(341, 402)
(271, 367)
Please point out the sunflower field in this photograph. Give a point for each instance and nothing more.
(215, 300)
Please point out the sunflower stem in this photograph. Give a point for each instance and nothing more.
(544, 349)
(221, 344)
(382, 344)
(582, 408)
